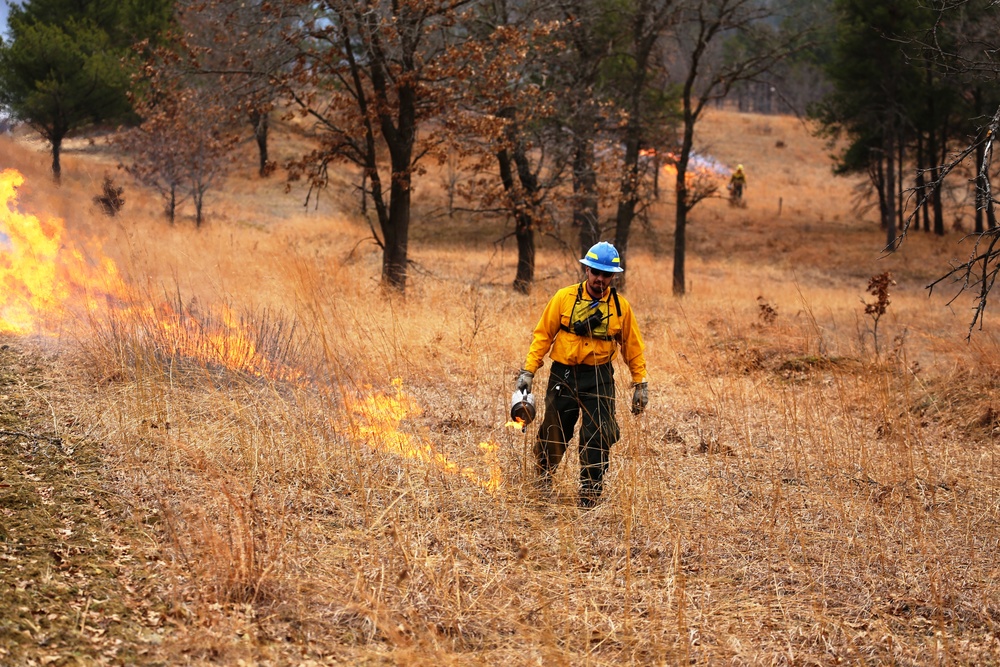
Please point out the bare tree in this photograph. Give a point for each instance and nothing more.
(706, 75)
(964, 42)
(184, 145)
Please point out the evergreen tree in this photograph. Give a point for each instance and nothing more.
(62, 68)
(876, 89)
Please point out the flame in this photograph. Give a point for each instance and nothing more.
(40, 275)
(700, 167)
(377, 418)
(49, 281)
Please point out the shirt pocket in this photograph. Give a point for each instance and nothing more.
(614, 325)
(565, 316)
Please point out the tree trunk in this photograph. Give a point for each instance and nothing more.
(680, 229)
(525, 275)
(900, 203)
(921, 185)
(524, 230)
(682, 206)
(396, 227)
(585, 193)
(938, 172)
(932, 149)
(56, 149)
(991, 216)
(364, 192)
(918, 181)
(977, 99)
(890, 188)
(981, 189)
(628, 196)
(198, 194)
(260, 123)
(656, 175)
(396, 231)
(876, 173)
(172, 204)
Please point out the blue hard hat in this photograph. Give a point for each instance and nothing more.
(603, 257)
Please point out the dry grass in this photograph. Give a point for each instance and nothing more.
(790, 497)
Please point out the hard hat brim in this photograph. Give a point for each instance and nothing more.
(601, 267)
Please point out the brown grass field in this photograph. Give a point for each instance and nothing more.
(244, 453)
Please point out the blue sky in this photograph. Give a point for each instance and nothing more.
(4, 4)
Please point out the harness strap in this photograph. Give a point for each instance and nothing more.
(563, 327)
(579, 297)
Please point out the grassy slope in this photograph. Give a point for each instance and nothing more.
(789, 497)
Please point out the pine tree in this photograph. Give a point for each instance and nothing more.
(62, 69)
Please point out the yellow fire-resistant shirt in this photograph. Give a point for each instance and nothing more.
(565, 308)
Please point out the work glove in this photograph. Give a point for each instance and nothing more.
(524, 379)
(640, 397)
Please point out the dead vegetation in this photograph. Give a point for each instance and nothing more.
(792, 496)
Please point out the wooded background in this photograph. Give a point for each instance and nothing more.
(557, 115)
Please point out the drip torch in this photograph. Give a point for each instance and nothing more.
(522, 408)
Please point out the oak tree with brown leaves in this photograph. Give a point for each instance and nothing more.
(241, 48)
(370, 76)
(506, 132)
(184, 145)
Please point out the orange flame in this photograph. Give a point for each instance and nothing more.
(39, 273)
(48, 281)
(377, 421)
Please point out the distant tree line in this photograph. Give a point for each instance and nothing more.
(562, 112)
(905, 99)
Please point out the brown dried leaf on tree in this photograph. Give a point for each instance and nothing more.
(878, 286)
(184, 145)
(111, 200)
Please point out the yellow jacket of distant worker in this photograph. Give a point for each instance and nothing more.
(618, 328)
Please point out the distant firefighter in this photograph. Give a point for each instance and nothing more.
(737, 183)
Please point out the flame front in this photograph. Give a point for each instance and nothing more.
(377, 418)
(44, 282)
(49, 283)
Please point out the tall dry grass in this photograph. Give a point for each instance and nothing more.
(792, 496)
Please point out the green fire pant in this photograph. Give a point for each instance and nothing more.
(573, 390)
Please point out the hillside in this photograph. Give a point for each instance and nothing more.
(229, 446)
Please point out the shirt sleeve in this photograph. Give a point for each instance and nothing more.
(545, 333)
(633, 349)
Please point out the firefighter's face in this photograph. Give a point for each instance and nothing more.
(598, 282)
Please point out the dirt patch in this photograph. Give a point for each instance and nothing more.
(71, 589)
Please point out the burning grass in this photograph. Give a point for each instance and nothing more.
(347, 489)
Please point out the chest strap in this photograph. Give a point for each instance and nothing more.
(579, 297)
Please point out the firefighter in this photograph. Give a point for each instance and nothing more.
(737, 183)
(581, 329)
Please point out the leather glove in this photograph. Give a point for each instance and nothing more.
(640, 398)
(524, 379)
